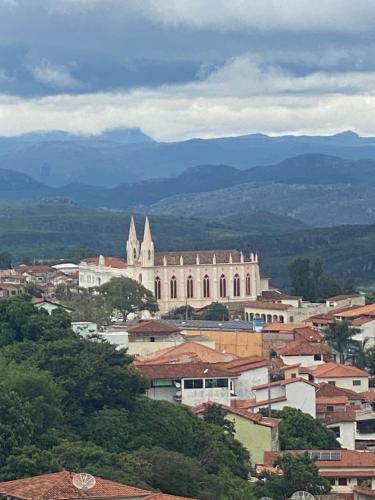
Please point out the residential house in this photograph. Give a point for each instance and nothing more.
(269, 311)
(277, 296)
(294, 392)
(346, 470)
(345, 376)
(346, 300)
(304, 353)
(49, 306)
(37, 273)
(254, 431)
(249, 371)
(190, 384)
(60, 486)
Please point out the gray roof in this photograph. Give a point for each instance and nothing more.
(211, 325)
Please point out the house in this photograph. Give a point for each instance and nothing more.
(345, 376)
(190, 384)
(304, 353)
(254, 431)
(279, 312)
(249, 371)
(353, 299)
(47, 305)
(346, 470)
(294, 392)
(11, 289)
(61, 486)
(280, 297)
(37, 273)
(187, 352)
(147, 336)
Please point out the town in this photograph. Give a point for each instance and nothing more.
(208, 332)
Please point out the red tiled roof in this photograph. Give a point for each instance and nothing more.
(330, 390)
(303, 348)
(282, 327)
(165, 496)
(277, 295)
(308, 334)
(59, 486)
(282, 383)
(347, 473)
(245, 364)
(368, 395)
(182, 370)
(335, 298)
(257, 418)
(260, 304)
(332, 400)
(279, 399)
(346, 415)
(39, 268)
(115, 262)
(362, 320)
(183, 353)
(354, 311)
(335, 370)
(152, 327)
(369, 492)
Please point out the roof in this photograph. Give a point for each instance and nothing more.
(336, 298)
(355, 311)
(346, 415)
(152, 327)
(369, 492)
(116, 262)
(59, 486)
(282, 327)
(182, 370)
(331, 400)
(205, 257)
(165, 496)
(283, 383)
(262, 304)
(309, 334)
(352, 459)
(40, 300)
(362, 320)
(200, 324)
(188, 351)
(38, 268)
(264, 402)
(329, 390)
(245, 364)
(335, 370)
(368, 395)
(257, 418)
(277, 295)
(303, 348)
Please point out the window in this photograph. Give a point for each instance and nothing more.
(223, 286)
(189, 287)
(357, 382)
(336, 430)
(281, 319)
(365, 482)
(294, 375)
(330, 408)
(236, 285)
(135, 253)
(193, 383)
(173, 287)
(152, 339)
(163, 383)
(211, 383)
(248, 284)
(206, 286)
(149, 255)
(140, 278)
(331, 480)
(157, 288)
(269, 318)
(331, 382)
(317, 357)
(343, 481)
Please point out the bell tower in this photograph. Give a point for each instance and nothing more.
(132, 245)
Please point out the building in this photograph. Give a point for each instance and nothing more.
(254, 431)
(346, 470)
(47, 305)
(249, 372)
(282, 311)
(60, 486)
(345, 376)
(353, 299)
(179, 278)
(304, 353)
(189, 384)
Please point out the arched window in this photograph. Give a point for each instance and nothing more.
(269, 318)
(206, 286)
(236, 285)
(189, 288)
(149, 255)
(135, 253)
(248, 284)
(281, 319)
(140, 278)
(157, 288)
(223, 286)
(173, 287)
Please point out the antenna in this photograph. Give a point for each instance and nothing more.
(302, 495)
(83, 481)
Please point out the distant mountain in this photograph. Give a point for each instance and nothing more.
(17, 186)
(122, 156)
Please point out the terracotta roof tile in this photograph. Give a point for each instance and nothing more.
(368, 395)
(332, 400)
(115, 262)
(245, 364)
(282, 327)
(283, 383)
(334, 370)
(330, 390)
(165, 496)
(152, 327)
(277, 295)
(303, 348)
(59, 486)
(182, 370)
(355, 311)
(185, 352)
(352, 459)
(368, 492)
(346, 415)
(335, 298)
(262, 304)
(257, 418)
(308, 334)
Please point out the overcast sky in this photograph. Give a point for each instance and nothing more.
(188, 68)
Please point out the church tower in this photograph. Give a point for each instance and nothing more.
(132, 245)
(147, 247)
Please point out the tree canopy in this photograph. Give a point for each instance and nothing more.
(338, 335)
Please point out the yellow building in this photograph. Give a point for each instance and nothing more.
(255, 432)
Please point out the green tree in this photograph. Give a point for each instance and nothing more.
(216, 312)
(338, 335)
(215, 414)
(128, 296)
(299, 473)
(5, 260)
(300, 431)
(301, 279)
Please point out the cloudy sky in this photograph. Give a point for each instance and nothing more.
(188, 68)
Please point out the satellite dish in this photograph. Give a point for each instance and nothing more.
(302, 495)
(205, 370)
(83, 481)
(177, 384)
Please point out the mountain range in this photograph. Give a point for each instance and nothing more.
(127, 155)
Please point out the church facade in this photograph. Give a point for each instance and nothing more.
(179, 278)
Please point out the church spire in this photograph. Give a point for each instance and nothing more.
(132, 245)
(147, 238)
(147, 246)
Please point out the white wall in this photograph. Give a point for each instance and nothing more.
(345, 382)
(276, 392)
(193, 397)
(244, 383)
(347, 434)
(302, 396)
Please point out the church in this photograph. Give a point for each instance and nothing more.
(176, 279)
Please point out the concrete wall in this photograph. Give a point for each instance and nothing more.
(244, 383)
(307, 360)
(347, 434)
(235, 342)
(346, 382)
(276, 391)
(193, 397)
(302, 396)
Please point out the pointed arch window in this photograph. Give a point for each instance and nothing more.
(157, 288)
(173, 287)
(236, 285)
(149, 255)
(248, 284)
(189, 287)
(206, 286)
(223, 286)
(135, 253)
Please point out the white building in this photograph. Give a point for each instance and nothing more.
(179, 278)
